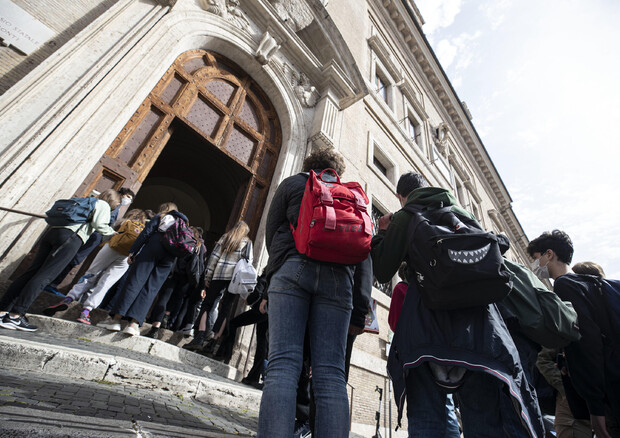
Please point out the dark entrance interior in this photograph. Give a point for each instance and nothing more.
(204, 182)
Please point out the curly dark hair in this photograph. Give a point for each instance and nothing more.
(324, 158)
(557, 240)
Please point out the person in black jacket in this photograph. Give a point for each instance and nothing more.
(151, 264)
(465, 351)
(594, 361)
(304, 293)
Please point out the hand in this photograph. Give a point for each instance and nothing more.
(203, 294)
(130, 259)
(263, 306)
(384, 221)
(355, 330)
(207, 283)
(598, 424)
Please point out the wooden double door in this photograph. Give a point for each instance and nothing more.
(207, 123)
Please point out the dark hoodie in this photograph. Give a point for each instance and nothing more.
(475, 339)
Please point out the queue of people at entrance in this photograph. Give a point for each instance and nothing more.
(471, 327)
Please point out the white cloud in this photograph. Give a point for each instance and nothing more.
(438, 14)
(495, 11)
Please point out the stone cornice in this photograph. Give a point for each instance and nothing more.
(424, 56)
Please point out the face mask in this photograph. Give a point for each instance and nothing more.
(125, 201)
(542, 272)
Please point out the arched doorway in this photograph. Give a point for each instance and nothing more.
(208, 134)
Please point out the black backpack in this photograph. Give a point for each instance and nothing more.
(457, 264)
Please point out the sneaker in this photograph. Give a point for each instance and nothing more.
(154, 333)
(133, 329)
(110, 324)
(19, 323)
(302, 429)
(188, 330)
(84, 318)
(60, 307)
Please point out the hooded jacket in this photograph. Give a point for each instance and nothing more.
(475, 339)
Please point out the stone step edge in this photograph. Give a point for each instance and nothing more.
(140, 344)
(107, 369)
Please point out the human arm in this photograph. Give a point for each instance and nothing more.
(547, 367)
(362, 294)
(389, 246)
(149, 229)
(100, 221)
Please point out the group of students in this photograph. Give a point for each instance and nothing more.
(471, 356)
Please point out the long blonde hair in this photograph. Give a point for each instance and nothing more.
(234, 237)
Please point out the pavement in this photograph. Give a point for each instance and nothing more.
(73, 380)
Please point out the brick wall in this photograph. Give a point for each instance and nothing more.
(65, 21)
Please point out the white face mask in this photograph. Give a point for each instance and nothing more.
(540, 271)
(125, 201)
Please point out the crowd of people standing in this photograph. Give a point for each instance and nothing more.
(309, 311)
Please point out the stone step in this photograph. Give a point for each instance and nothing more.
(92, 353)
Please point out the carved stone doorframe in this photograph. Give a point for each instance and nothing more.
(219, 102)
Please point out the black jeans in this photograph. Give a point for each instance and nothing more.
(46, 265)
(260, 354)
(251, 316)
(93, 241)
(175, 284)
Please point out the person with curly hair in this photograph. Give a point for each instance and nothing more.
(304, 294)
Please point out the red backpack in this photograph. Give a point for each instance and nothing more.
(333, 225)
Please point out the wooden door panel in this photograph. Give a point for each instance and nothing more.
(223, 105)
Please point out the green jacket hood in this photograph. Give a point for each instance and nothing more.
(431, 196)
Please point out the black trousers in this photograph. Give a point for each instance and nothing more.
(93, 241)
(46, 265)
(248, 317)
(260, 354)
(175, 285)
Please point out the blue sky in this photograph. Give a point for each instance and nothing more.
(542, 81)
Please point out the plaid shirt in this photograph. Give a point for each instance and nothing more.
(221, 266)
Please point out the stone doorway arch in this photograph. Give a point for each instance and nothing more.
(227, 113)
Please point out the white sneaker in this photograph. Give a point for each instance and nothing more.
(188, 330)
(110, 324)
(133, 329)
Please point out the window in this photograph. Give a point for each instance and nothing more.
(376, 213)
(381, 87)
(440, 163)
(381, 163)
(380, 166)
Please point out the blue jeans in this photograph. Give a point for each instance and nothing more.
(480, 398)
(307, 293)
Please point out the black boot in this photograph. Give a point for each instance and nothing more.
(197, 342)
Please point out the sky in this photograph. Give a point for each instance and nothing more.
(542, 82)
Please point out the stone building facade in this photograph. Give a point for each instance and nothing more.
(211, 103)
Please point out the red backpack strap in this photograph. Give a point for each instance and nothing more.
(361, 206)
(328, 202)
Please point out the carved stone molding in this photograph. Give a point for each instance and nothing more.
(227, 9)
(306, 93)
(440, 138)
(295, 13)
(267, 47)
